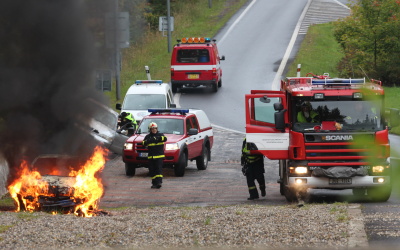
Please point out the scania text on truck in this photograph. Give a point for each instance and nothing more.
(195, 62)
(340, 142)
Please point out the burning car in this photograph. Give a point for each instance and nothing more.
(59, 183)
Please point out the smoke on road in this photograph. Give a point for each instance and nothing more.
(47, 62)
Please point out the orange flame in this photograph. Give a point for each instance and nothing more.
(87, 187)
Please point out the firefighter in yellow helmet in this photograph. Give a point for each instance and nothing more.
(154, 141)
(253, 169)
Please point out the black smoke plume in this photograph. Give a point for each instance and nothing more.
(47, 63)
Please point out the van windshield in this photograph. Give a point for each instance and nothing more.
(144, 101)
(193, 56)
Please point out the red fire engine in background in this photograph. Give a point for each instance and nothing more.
(343, 143)
(195, 62)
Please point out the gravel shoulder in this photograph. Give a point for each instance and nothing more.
(311, 226)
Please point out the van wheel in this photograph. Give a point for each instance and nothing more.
(174, 88)
(220, 83)
(130, 169)
(179, 168)
(202, 161)
(215, 88)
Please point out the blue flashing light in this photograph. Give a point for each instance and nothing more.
(207, 39)
(178, 111)
(337, 81)
(148, 81)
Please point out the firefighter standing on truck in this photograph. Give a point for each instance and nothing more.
(155, 144)
(253, 169)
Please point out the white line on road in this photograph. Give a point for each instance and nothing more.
(276, 83)
(237, 21)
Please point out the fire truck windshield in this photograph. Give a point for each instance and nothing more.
(353, 115)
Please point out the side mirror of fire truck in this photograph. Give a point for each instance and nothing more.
(279, 116)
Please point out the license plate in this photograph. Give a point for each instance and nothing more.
(143, 154)
(340, 181)
(193, 76)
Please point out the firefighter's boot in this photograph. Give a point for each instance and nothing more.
(262, 189)
(253, 193)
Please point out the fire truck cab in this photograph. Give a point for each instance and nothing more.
(195, 62)
(339, 141)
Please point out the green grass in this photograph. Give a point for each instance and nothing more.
(190, 19)
(319, 53)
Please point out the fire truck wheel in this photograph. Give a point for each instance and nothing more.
(202, 161)
(179, 168)
(174, 88)
(379, 194)
(130, 169)
(215, 88)
(220, 83)
(290, 194)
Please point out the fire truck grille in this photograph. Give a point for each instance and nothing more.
(337, 149)
(335, 154)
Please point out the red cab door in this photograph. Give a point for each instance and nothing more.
(262, 135)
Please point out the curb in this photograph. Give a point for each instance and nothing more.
(357, 235)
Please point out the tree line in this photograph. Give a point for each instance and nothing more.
(370, 38)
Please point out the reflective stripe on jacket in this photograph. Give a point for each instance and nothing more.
(249, 158)
(155, 145)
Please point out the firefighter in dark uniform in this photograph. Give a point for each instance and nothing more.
(253, 169)
(154, 141)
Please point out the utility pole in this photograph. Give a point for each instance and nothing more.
(117, 54)
(209, 3)
(169, 25)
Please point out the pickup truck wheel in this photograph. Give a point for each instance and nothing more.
(179, 168)
(202, 161)
(379, 194)
(220, 83)
(130, 169)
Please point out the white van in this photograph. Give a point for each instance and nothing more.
(144, 95)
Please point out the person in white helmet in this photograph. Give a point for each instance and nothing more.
(154, 141)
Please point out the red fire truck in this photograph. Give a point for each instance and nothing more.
(327, 133)
(195, 62)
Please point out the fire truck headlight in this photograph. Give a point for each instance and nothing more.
(171, 146)
(300, 170)
(300, 181)
(378, 169)
(379, 180)
(128, 146)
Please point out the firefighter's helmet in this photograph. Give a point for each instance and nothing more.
(152, 125)
(306, 104)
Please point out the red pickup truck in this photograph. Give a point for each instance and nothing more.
(190, 137)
